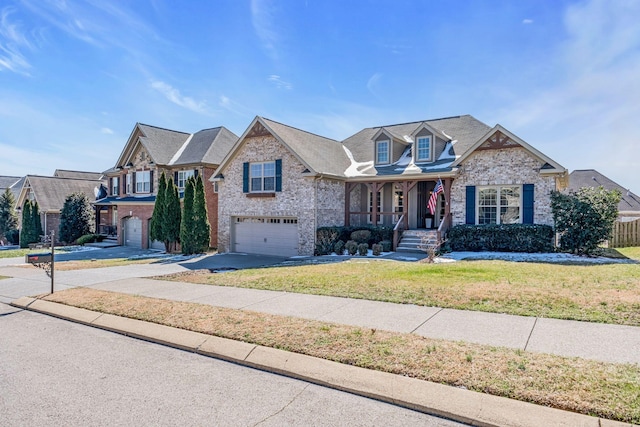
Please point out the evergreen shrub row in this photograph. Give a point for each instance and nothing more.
(502, 238)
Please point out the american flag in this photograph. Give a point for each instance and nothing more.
(434, 196)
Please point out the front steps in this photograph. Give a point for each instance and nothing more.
(412, 240)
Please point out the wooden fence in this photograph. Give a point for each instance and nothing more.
(625, 234)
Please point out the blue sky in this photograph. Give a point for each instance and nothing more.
(75, 76)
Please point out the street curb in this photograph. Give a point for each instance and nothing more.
(461, 405)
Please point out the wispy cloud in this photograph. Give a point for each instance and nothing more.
(263, 20)
(279, 83)
(235, 107)
(373, 82)
(106, 131)
(527, 21)
(12, 41)
(174, 95)
(595, 102)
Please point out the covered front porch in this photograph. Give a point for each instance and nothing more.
(401, 204)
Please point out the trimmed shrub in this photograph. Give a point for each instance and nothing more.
(351, 247)
(387, 245)
(338, 248)
(363, 249)
(88, 238)
(13, 237)
(326, 238)
(361, 236)
(502, 238)
(377, 249)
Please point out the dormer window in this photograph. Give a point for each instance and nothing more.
(382, 152)
(423, 151)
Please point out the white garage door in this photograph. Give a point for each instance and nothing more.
(133, 232)
(269, 236)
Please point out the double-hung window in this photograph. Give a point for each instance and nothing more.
(183, 176)
(129, 183)
(115, 186)
(382, 152)
(424, 149)
(500, 205)
(143, 182)
(263, 177)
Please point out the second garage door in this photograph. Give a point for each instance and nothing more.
(268, 236)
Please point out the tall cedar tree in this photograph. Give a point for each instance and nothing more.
(201, 219)
(187, 230)
(26, 233)
(171, 223)
(159, 208)
(37, 222)
(76, 218)
(8, 216)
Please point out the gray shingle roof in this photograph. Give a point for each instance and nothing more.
(50, 192)
(161, 144)
(61, 173)
(207, 146)
(466, 130)
(7, 182)
(322, 155)
(592, 178)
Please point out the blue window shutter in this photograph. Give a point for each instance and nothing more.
(151, 182)
(175, 177)
(245, 177)
(471, 204)
(195, 173)
(527, 204)
(279, 175)
(133, 182)
(111, 186)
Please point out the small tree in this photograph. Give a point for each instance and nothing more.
(159, 209)
(76, 218)
(172, 216)
(584, 218)
(187, 226)
(8, 216)
(201, 218)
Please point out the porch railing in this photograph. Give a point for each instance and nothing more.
(108, 230)
(397, 232)
(444, 227)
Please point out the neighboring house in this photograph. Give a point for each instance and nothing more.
(279, 184)
(629, 206)
(51, 192)
(13, 183)
(61, 173)
(133, 181)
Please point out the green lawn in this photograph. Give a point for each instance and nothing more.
(597, 293)
(13, 253)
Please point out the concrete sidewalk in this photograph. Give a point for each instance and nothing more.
(608, 343)
(453, 403)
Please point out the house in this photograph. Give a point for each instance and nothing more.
(278, 184)
(13, 183)
(51, 192)
(133, 180)
(629, 206)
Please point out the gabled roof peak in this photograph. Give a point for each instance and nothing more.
(417, 122)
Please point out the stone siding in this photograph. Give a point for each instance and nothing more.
(509, 166)
(296, 200)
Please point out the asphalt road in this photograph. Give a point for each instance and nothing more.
(54, 372)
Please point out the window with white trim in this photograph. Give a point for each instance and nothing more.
(499, 205)
(262, 177)
(382, 152)
(423, 152)
(143, 182)
(128, 183)
(115, 186)
(183, 176)
(398, 205)
(378, 203)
